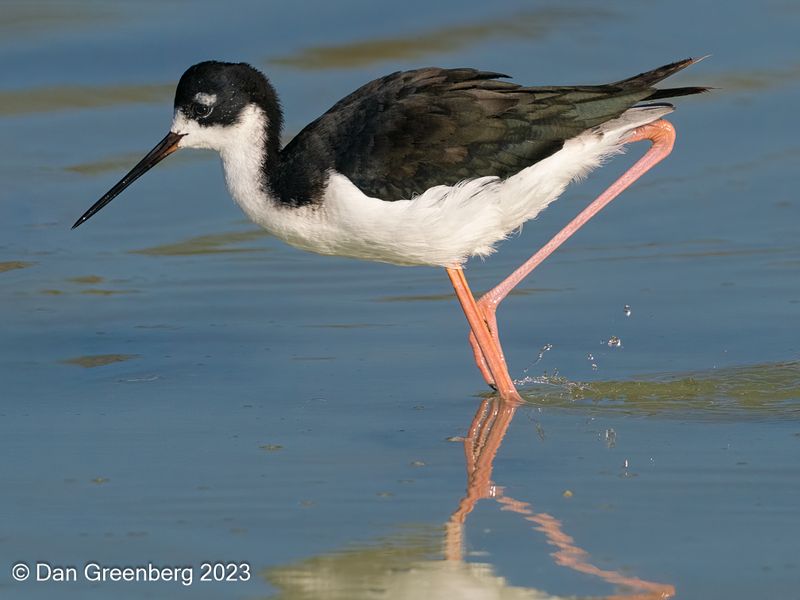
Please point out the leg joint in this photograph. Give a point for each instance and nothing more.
(661, 133)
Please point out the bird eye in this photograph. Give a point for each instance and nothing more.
(200, 111)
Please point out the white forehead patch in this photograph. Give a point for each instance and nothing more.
(205, 99)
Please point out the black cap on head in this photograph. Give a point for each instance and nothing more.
(214, 93)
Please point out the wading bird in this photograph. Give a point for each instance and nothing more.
(423, 167)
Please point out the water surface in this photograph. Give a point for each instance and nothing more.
(179, 387)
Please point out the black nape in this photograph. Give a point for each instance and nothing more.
(292, 181)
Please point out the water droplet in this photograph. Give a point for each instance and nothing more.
(626, 474)
(611, 439)
(614, 342)
(627, 310)
(545, 348)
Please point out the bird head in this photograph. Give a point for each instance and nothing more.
(217, 105)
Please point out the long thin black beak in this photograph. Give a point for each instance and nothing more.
(163, 149)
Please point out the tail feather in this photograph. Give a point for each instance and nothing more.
(675, 92)
(649, 78)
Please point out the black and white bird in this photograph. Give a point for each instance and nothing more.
(423, 167)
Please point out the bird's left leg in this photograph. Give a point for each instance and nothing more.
(662, 135)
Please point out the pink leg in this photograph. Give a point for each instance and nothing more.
(489, 351)
(662, 134)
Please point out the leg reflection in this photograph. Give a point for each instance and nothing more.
(481, 444)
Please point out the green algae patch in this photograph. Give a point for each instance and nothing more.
(13, 265)
(78, 97)
(415, 46)
(219, 243)
(770, 390)
(86, 279)
(91, 361)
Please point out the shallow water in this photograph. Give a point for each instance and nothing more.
(180, 388)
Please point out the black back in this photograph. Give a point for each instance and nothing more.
(401, 134)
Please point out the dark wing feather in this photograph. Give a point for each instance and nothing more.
(401, 134)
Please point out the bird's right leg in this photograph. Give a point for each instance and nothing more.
(662, 135)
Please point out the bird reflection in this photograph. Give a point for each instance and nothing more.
(408, 565)
(483, 440)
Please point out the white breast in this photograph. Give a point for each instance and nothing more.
(445, 225)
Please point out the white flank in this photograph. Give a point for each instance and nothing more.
(443, 226)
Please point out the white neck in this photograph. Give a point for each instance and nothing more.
(242, 147)
(243, 161)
